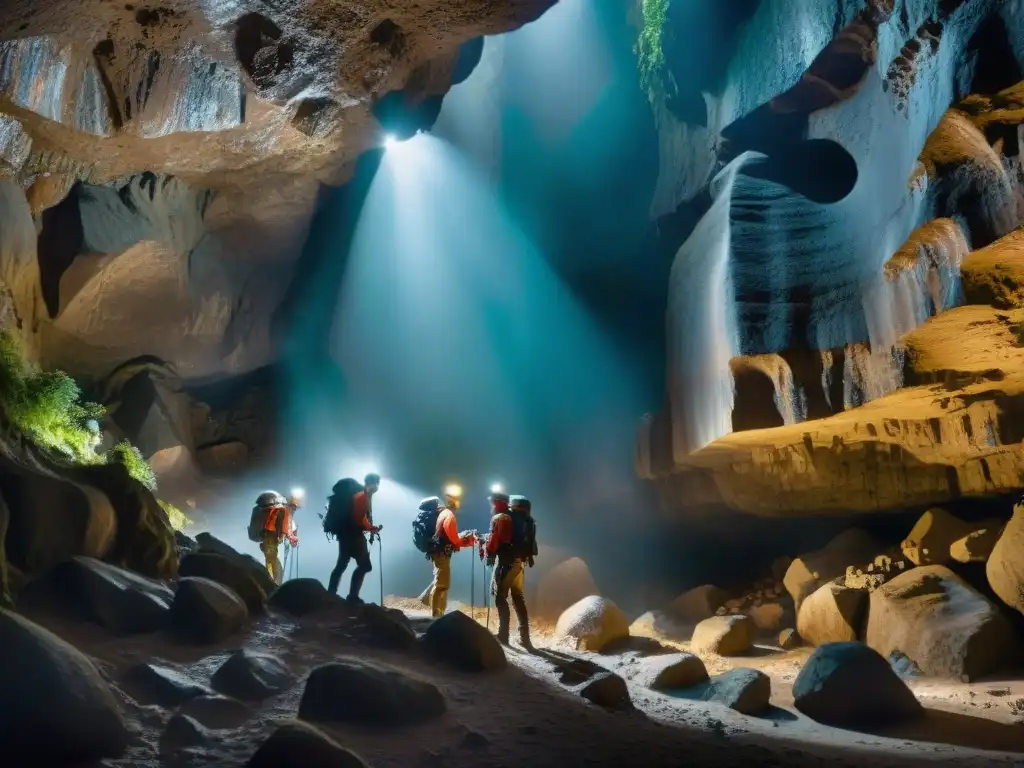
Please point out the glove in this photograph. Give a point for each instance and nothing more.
(376, 529)
(294, 540)
(531, 562)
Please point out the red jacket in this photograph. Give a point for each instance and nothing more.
(279, 521)
(361, 511)
(448, 531)
(501, 533)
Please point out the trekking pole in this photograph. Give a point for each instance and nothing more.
(472, 587)
(296, 561)
(487, 597)
(380, 567)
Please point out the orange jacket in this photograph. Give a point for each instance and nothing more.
(361, 511)
(279, 521)
(448, 530)
(501, 533)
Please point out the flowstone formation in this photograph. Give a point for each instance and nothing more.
(163, 159)
(844, 189)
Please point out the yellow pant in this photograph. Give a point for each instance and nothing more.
(439, 586)
(509, 580)
(269, 546)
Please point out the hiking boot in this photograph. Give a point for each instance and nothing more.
(524, 640)
(503, 637)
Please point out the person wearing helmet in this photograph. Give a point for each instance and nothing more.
(509, 546)
(449, 541)
(352, 541)
(277, 526)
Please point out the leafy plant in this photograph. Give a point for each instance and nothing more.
(176, 517)
(650, 46)
(45, 405)
(137, 466)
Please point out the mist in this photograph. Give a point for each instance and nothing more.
(473, 307)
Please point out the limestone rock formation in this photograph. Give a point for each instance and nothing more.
(659, 625)
(724, 635)
(819, 361)
(232, 574)
(249, 674)
(463, 642)
(301, 742)
(164, 686)
(698, 603)
(670, 671)
(851, 685)
(809, 571)
(568, 582)
(606, 689)
(592, 624)
(745, 690)
(205, 612)
(1005, 566)
(119, 600)
(929, 541)
(50, 689)
(834, 613)
(977, 546)
(172, 155)
(377, 695)
(946, 627)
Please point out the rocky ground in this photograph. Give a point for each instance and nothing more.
(209, 670)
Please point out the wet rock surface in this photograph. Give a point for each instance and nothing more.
(375, 695)
(51, 688)
(204, 611)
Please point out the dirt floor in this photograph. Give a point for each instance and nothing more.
(524, 716)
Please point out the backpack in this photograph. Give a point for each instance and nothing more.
(424, 527)
(258, 518)
(338, 519)
(524, 532)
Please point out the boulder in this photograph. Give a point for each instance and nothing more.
(164, 686)
(697, 604)
(833, 613)
(745, 690)
(669, 671)
(216, 711)
(182, 732)
(606, 689)
(204, 611)
(809, 571)
(591, 624)
(851, 685)
(724, 635)
(372, 624)
(768, 617)
(54, 705)
(561, 587)
(373, 695)
(874, 574)
(977, 546)
(458, 640)
(941, 623)
(658, 625)
(302, 596)
(789, 639)
(1005, 567)
(119, 600)
(929, 540)
(298, 743)
(209, 543)
(229, 572)
(247, 674)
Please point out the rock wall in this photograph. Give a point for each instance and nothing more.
(865, 184)
(171, 157)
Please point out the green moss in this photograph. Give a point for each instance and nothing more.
(46, 406)
(650, 49)
(137, 466)
(176, 517)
